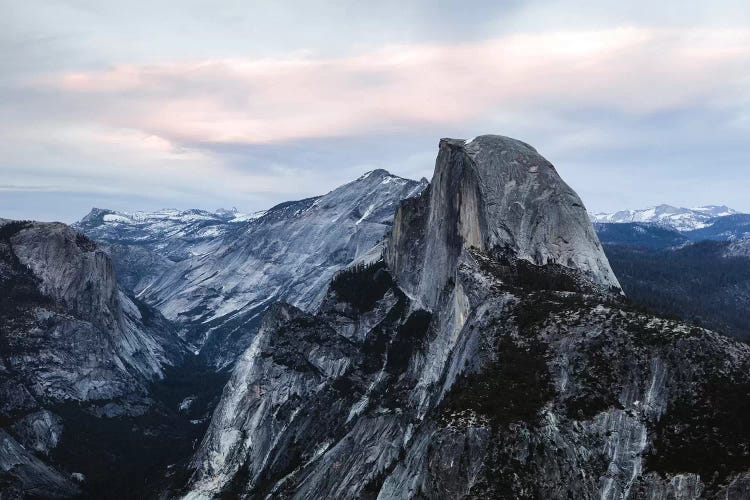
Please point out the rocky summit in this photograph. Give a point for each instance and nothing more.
(488, 353)
(490, 194)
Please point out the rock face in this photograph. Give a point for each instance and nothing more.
(488, 355)
(145, 245)
(216, 276)
(69, 335)
(23, 475)
(493, 192)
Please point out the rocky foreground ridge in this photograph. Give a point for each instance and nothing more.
(70, 341)
(488, 354)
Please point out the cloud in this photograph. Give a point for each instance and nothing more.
(610, 107)
(628, 70)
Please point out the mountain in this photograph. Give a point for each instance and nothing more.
(639, 234)
(489, 354)
(215, 274)
(144, 245)
(667, 229)
(701, 275)
(707, 282)
(729, 228)
(681, 219)
(74, 346)
(495, 212)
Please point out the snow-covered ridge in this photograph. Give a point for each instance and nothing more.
(215, 273)
(180, 216)
(681, 219)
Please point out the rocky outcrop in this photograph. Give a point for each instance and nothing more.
(68, 336)
(485, 357)
(493, 193)
(217, 276)
(79, 309)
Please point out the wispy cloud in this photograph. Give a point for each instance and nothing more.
(628, 70)
(227, 105)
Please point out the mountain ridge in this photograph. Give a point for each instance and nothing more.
(215, 276)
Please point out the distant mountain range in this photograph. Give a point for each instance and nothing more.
(681, 219)
(216, 273)
(668, 226)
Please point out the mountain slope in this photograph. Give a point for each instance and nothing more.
(216, 278)
(698, 275)
(638, 234)
(144, 245)
(706, 282)
(507, 373)
(69, 336)
(729, 228)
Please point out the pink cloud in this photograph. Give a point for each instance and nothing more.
(628, 70)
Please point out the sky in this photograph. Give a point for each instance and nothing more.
(143, 105)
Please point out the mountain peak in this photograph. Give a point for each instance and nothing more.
(490, 193)
(377, 173)
(382, 176)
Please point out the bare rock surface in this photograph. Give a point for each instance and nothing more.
(493, 192)
(216, 274)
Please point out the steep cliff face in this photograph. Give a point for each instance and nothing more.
(68, 336)
(484, 357)
(493, 193)
(77, 279)
(217, 277)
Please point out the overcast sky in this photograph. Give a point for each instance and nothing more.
(142, 105)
